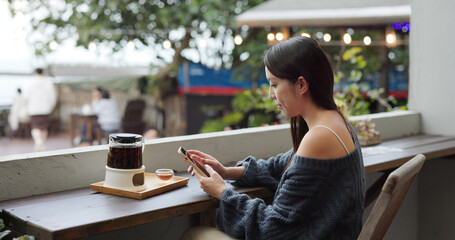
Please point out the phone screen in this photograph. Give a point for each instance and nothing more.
(183, 151)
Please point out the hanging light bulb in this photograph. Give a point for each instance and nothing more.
(53, 45)
(270, 36)
(306, 35)
(347, 38)
(167, 44)
(327, 37)
(391, 38)
(238, 40)
(279, 36)
(367, 40)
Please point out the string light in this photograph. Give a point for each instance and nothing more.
(279, 36)
(390, 38)
(367, 40)
(238, 39)
(306, 35)
(327, 37)
(347, 38)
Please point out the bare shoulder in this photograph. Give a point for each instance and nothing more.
(321, 143)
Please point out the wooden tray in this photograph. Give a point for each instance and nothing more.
(153, 183)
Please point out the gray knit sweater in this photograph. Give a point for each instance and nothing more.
(314, 199)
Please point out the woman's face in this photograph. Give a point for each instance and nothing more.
(96, 95)
(283, 93)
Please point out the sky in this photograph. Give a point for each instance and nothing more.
(16, 54)
(17, 59)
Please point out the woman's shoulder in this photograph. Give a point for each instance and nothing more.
(326, 143)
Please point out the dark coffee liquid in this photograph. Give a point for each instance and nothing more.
(124, 157)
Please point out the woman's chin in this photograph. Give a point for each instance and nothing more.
(285, 113)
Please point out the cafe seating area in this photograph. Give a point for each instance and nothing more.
(409, 174)
(43, 206)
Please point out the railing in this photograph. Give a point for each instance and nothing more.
(25, 175)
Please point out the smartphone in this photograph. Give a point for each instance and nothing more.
(195, 164)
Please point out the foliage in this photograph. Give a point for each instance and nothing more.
(6, 232)
(148, 24)
(214, 125)
(3, 233)
(251, 108)
(25, 237)
(356, 99)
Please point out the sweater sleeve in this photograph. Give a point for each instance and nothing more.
(261, 172)
(294, 212)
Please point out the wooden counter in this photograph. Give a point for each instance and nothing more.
(82, 212)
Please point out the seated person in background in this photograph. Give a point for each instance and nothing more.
(107, 111)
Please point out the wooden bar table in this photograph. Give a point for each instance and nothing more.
(393, 153)
(82, 212)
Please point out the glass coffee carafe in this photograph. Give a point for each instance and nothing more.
(125, 169)
(125, 151)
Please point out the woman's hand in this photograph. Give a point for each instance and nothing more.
(205, 159)
(213, 185)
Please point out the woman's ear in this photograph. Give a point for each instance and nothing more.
(302, 85)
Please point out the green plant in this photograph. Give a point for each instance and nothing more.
(3, 233)
(357, 98)
(214, 125)
(6, 232)
(25, 237)
(251, 108)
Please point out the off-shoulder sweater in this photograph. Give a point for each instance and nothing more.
(314, 198)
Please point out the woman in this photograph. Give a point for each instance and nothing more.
(319, 184)
(107, 110)
(108, 116)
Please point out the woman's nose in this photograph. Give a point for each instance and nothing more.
(271, 94)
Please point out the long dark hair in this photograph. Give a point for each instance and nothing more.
(302, 56)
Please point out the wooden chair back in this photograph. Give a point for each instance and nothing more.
(390, 199)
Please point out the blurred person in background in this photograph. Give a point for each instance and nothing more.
(107, 110)
(108, 114)
(41, 100)
(18, 113)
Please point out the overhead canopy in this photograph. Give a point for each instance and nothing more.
(277, 13)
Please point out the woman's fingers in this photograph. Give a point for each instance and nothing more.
(200, 154)
(198, 158)
(190, 170)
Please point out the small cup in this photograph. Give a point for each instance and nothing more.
(165, 175)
